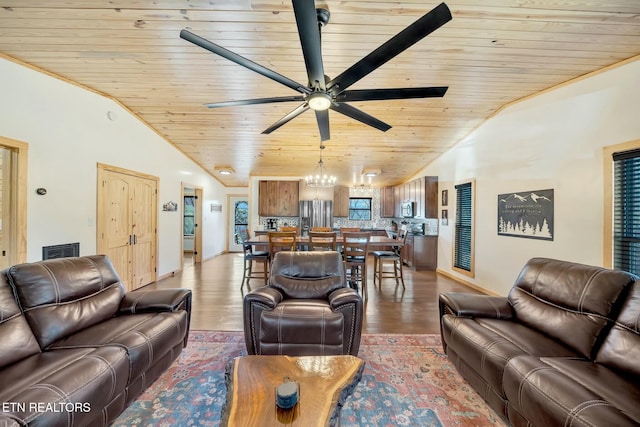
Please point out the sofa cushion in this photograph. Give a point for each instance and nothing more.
(62, 296)
(486, 345)
(63, 387)
(621, 347)
(146, 337)
(568, 392)
(571, 302)
(16, 337)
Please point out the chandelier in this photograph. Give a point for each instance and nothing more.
(320, 178)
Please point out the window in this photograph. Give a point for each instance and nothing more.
(463, 235)
(626, 211)
(360, 208)
(189, 216)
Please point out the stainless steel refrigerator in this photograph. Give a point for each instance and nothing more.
(315, 213)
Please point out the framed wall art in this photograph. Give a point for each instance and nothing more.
(445, 197)
(526, 214)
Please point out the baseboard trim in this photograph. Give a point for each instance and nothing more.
(466, 283)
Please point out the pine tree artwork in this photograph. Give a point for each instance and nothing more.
(526, 214)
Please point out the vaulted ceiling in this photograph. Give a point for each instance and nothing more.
(492, 52)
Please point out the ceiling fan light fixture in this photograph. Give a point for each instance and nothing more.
(319, 101)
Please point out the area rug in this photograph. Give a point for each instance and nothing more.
(407, 381)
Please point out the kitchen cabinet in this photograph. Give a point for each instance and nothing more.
(398, 194)
(421, 252)
(341, 201)
(278, 198)
(387, 202)
(423, 192)
(425, 253)
(431, 197)
(407, 251)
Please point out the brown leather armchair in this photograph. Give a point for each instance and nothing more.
(306, 309)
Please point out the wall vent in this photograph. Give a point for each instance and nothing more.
(61, 251)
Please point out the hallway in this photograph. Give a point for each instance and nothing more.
(217, 299)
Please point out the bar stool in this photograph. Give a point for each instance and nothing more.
(251, 256)
(355, 247)
(395, 256)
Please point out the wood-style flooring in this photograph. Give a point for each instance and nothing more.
(217, 298)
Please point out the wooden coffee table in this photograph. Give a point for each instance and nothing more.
(325, 383)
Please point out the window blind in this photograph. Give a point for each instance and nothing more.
(463, 232)
(626, 211)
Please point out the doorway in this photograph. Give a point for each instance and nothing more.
(191, 225)
(238, 221)
(13, 211)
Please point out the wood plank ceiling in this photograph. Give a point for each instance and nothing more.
(492, 53)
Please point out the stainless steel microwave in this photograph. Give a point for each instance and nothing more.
(407, 209)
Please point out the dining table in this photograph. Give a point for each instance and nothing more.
(375, 242)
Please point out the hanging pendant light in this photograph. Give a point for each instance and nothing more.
(320, 178)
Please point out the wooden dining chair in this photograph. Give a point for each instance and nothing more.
(287, 229)
(349, 230)
(322, 229)
(355, 246)
(395, 256)
(322, 240)
(281, 241)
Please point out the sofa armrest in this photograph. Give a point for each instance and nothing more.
(270, 297)
(158, 300)
(348, 302)
(254, 304)
(343, 296)
(145, 301)
(473, 305)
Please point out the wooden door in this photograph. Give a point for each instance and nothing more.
(127, 218)
(143, 230)
(114, 221)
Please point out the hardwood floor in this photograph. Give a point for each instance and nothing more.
(217, 299)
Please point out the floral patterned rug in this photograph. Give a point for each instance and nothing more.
(407, 381)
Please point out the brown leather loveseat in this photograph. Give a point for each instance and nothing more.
(306, 309)
(75, 349)
(563, 349)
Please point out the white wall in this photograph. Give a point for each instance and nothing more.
(553, 140)
(69, 132)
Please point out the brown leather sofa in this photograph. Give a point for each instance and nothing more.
(75, 349)
(306, 309)
(563, 349)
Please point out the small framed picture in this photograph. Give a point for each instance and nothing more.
(445, 217)
(445, 197)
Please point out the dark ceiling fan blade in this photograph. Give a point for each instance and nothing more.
(240, 60)
(415, 32)
(360, 116)
(295, 113)
(254, 101)
(309, 33)
(322, 116)
(385, 94)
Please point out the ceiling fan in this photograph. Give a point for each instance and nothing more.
(323, 93)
